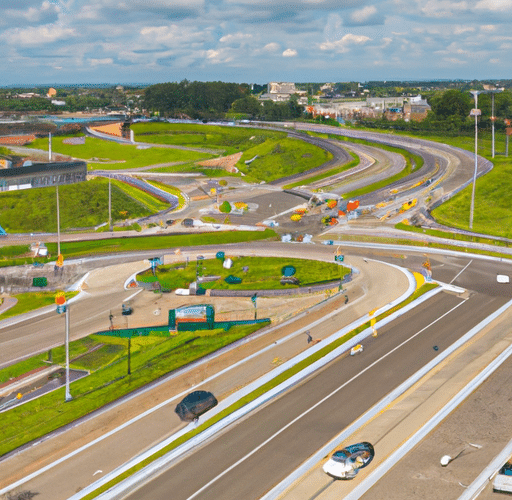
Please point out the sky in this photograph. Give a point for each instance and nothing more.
(253, 41)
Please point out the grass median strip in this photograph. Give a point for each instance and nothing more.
(256, 393)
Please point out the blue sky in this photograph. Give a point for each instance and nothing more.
(253, 41)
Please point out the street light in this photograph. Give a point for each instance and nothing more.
(493, 118)
(474, 112)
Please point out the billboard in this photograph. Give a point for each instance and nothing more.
(195, 313)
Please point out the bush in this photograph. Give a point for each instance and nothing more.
(225, 207)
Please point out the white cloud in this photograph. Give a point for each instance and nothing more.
(342, 45)
(443, 8)
(272, 47)
(219, 56)
(365, 14)
(488, 28)
(37, 36)
(237, 37)
(290, 53)
(460, 30)
(494, 61)
(494, 5)
(101, 62)
(454, 60)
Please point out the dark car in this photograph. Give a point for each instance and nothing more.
(126, 310)
(195, 404)
(187, 222)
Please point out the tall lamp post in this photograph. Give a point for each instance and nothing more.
(493, 118)
(474, 112)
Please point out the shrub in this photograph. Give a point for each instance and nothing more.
(225, 207)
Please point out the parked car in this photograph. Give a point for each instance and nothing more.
(187, 222)
(195, 404)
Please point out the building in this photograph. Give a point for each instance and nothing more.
(42, 175)
(282, 91)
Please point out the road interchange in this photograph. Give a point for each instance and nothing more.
(493, 302)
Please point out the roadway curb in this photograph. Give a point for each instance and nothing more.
(135, 479)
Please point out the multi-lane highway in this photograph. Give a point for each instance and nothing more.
(250, 458)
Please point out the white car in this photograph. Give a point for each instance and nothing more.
(182, 291)
(503, 480)
(357, 348)
(346, 463)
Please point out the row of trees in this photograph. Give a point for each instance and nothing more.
(450, 113)
(198, 100)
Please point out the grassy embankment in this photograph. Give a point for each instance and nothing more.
(33, 300)
(257, 273)
(106, 358)
(277, 155)
(109, 155)
(82, 205)
(16, 255)
(151, 357)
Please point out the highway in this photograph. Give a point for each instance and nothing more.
(277, 438)
(250, 458)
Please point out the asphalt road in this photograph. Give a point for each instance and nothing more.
(277, 438)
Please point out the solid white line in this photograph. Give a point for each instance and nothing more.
(462, 270)
(319, 403)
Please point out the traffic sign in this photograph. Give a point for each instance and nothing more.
(61, 309)
(339, 258)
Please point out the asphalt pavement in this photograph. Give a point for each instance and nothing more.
(364, 294)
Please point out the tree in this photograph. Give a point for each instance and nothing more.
(452, 103)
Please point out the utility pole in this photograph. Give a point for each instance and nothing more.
(68, 394)
(474, 112)
(58, 220)
(109, 204)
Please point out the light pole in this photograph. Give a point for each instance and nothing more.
(58, 220)
(63, 307)
(493, 118)
(68, 394)
(474, 112)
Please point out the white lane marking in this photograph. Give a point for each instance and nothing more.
(198, 492)
(462, 270)
(156, 408)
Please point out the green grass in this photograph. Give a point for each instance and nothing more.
(413, 163)
(492, 212)
(109, 155)
(227, 139)
(282, 158)
(84, 204)
(329, 173)
(170, 189)
(143, 198)
(33, 300)
(150, 359)
(127, 244)
(264, 273)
